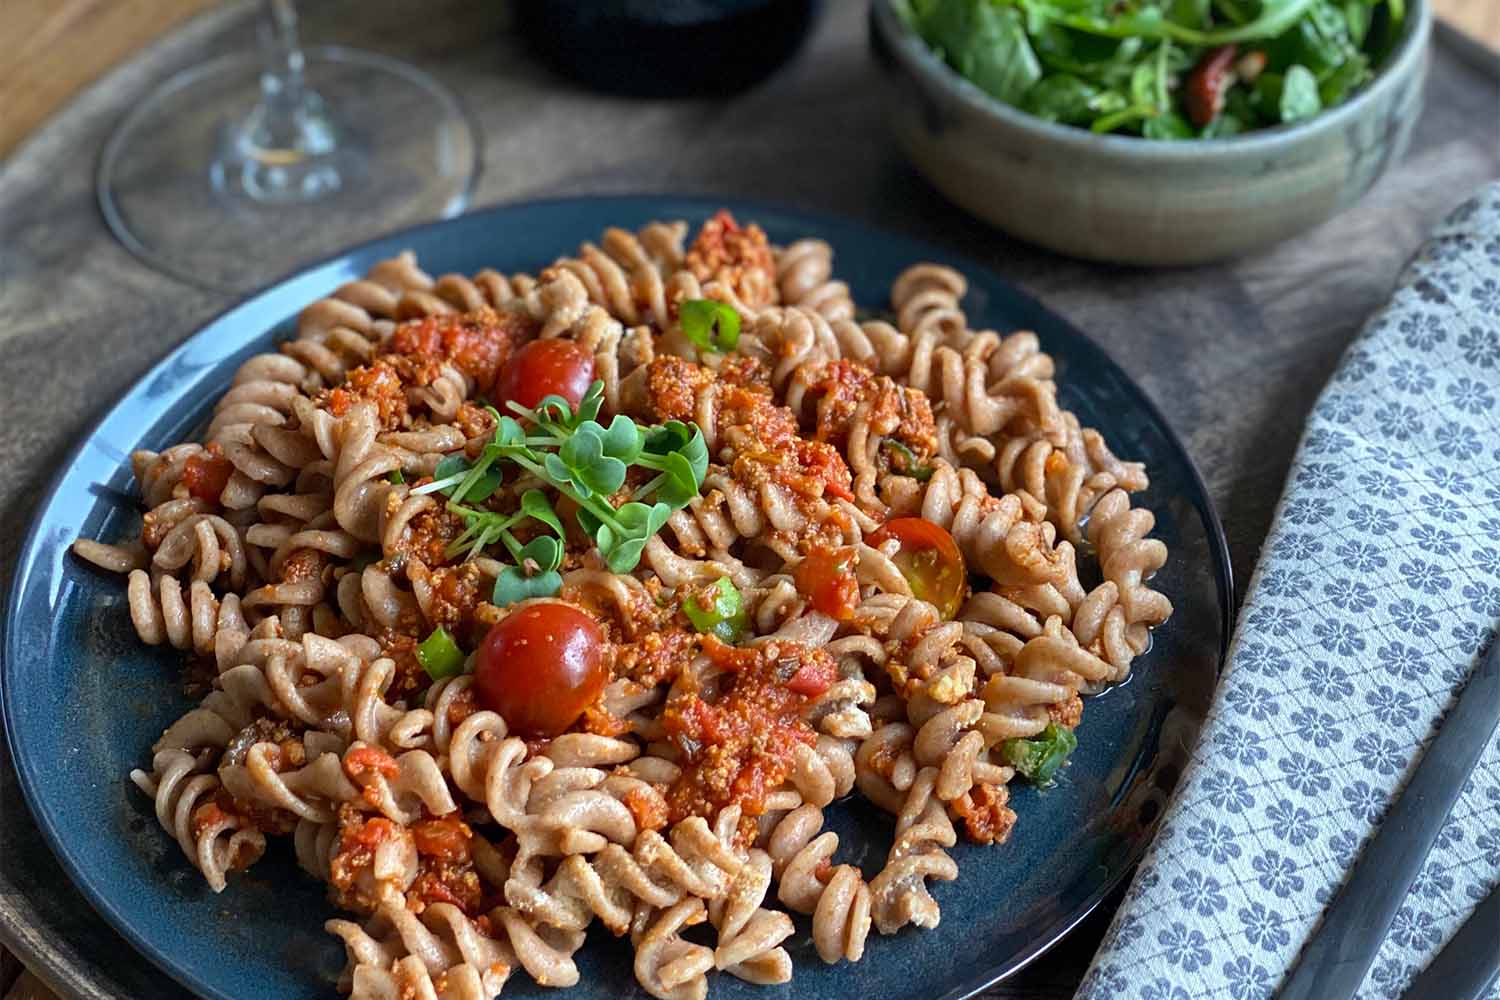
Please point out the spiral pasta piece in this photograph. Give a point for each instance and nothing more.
(804, 271)
(216, 842)
(840, 907)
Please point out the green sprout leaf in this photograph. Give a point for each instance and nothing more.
(568, 450)
(535, 505)
(623, 439)
(592, 401)
(712, 325)
(541, 555)
(588, 466)
(625, 556)
(512, 585)
(509, 434)
(643, 520)
(676, 437)
(677, 485)
(456, 478)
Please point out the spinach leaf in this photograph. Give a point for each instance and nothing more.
(1062, 98)
(1170, 125)
(1337, 85)
(986, 43)
(1299, 95)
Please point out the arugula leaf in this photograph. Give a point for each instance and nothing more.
(1062, 98)
(1170, 125)
(1341, 81)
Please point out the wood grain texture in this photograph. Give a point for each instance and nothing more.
(1234, 354)
(55, 47)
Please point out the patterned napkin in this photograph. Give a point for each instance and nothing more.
(1378, 591)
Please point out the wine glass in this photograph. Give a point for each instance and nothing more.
(233, 171)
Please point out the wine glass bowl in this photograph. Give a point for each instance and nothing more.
(232, 172)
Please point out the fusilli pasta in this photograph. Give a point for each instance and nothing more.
(608, 655)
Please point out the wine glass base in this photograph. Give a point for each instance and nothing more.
(183, 190)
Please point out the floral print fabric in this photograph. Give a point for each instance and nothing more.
(1377, 592)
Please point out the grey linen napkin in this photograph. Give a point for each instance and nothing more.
(1377, 591)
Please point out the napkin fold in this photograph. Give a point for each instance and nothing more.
(1377, 592)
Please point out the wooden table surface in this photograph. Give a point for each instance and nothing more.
(58, 46)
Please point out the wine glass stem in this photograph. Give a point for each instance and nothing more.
(282, 93)
(287, 151)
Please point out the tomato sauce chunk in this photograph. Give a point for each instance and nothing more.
(826, 578)
(739, 256)
(476, 343)
(739, 743)
(205, 475)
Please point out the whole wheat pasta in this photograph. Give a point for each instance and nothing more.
(816, 557)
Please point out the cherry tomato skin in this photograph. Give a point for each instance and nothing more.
(929, 559)
(544, 368)
(826, 578)
(540, 667)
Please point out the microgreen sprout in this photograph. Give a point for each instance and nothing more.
(567, 448)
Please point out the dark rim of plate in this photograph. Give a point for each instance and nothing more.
(27, 558)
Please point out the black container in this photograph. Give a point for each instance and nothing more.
(666, 48)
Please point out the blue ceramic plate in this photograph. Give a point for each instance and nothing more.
(83, 699)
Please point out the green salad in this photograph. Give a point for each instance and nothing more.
(1163, 69)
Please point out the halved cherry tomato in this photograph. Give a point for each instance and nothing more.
(826, 578)
(929, 559)
(540, 667)
(544, 368)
